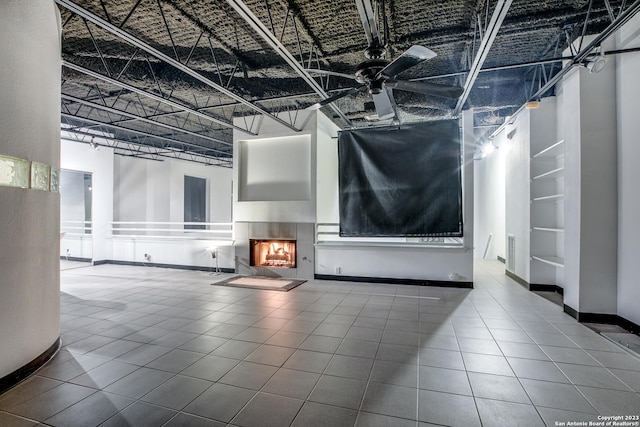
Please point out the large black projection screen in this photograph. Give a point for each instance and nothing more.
(400, 182)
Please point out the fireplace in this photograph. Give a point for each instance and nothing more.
(272, 253)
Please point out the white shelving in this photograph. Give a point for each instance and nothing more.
(547, 210)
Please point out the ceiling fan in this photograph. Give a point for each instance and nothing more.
(378, 75)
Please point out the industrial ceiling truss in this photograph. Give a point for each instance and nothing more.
(161, 79)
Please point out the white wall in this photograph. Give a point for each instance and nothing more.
(370, 260)
(29, 218)
(489, 203)
(628, 126)
(81, 157)
(517, 194)
(589, 130)
(276, 206)
(149, 191)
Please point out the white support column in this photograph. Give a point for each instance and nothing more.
(29, 217)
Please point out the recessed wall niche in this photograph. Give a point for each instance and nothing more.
(275, 169)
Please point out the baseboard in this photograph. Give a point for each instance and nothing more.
(607, 319)
(101, 262)
(502, 260)
(517, 278)
(73, 258)
(176, 266)
(395, 281)
(20, 374)
(535, 287)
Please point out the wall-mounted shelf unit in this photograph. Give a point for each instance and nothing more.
(547, 209)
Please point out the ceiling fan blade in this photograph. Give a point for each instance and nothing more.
(329, 73)
(409, 58)
(383, 105)
(425, 87)
(368, 18)
(335, 97)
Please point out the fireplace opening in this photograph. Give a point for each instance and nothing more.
(272, 253)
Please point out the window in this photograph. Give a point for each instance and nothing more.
(195, 202)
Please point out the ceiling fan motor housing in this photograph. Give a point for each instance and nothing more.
(367, 71)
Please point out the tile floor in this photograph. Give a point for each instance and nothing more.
(157, 347)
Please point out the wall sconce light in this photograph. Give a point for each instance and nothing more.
(532, 105)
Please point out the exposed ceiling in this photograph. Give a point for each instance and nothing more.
(166, 78)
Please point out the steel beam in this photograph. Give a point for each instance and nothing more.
(142, 119)
(174, 104)
(165, 58)
(138, 132)
(262, 30)
(490, 34)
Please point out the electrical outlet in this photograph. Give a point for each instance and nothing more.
(338, 270)
(147, 257)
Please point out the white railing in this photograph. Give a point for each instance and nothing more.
(329, 233)
(76, 228)
(219, 231)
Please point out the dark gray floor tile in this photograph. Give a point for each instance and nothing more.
(358, 348)
(497, 387)
(287, 339)
(537, 370)
(337, 391)
(90, 411)
(268, 410)
(473, 345)
(486, 364)
(220, 402)
(310, 361)
(557, 396)
(552, 416)
(140, 414)
(318, 415)
(522, 350)
(447, 409)
(291, 383)
(321, 343)
(177, 392)
(332, 330)
(398, 353)
(387, 372)
(446, 380)
(249, 375)
(114, 349)
(210, 368)
(235, 349)
(401, 337)
(350, 367)
(51, 402)
(506, 414)
(188, 420)
(392, 400)
(364, 334)
(71, 368)
(203, 344)
(226, 330)
(26, 390)
(253, 334)
(592, 376)
(8, 420)
(144, 354)
(175, 360)
(366, 419)
(270, 355)
(441, 358)
(139, 383)
(105, 374)
(442, 342)
(612, 401)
